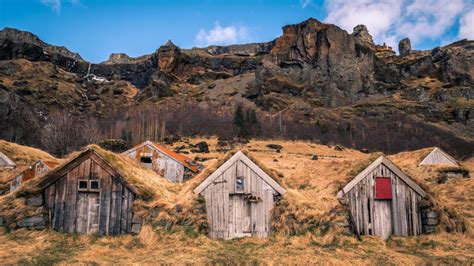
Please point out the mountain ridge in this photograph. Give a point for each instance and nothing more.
(314, 74)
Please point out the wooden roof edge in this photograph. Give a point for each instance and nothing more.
(360, 176)
(59, 171)
(239, 155)
(450, 158)
(404, 176)
(148, 142)
(266, 177)
(204, 184)
(381, 160)
(7, 159)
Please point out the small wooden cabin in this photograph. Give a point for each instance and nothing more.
(383, 201)
(88, 195)
(239, 198)
(6, 162)
(439, 157)
(37, 169)
(173, 166)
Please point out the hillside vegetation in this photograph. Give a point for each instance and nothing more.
(306, 224)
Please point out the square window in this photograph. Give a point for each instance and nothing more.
(239, 184)
(383, 188)
(82, 185)
(94, 185)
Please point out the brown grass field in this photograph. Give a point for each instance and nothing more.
(312, 187)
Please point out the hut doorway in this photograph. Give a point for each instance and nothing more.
(88, 206)
(383, 218)
(240, 216)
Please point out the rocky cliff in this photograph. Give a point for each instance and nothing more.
(314, 74)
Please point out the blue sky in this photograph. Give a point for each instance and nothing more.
(97, 28)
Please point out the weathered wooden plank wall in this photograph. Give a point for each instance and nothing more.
(230, 213)
(438, 157)
(74, 211)
(399, 216)
(161, 163)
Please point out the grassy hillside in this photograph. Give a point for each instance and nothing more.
(307, 230)
(23, 156)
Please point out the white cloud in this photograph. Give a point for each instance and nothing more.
(57, 4)
(466, 26)
(54, 4)
(391, 20)
(305, 3)
(222, 35)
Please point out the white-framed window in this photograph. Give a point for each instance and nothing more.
(86, 185)
(239, 184)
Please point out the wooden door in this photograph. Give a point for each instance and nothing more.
(88, 206)
(239, 220)
(382, 221)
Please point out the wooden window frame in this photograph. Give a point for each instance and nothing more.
(94, 189)
(88, 185)
(79, 189)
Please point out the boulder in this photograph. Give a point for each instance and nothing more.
(276, 147)
(338, 148)
(115, 145)
(428, 229)
(35, 201)
(137, 219)
(136, 228)
(404, 47)
(202, 147)
(34, 222)
(315, 157)
(362, 35)
(431, 221)
(2, 221)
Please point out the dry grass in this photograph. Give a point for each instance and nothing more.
(305, 224)
(23, 156)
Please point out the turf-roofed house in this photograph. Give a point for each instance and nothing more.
(173, 166)
(91, 193)
(439, 157)
(6, 162)
(384, 201)
(35, 170)
(239, 198)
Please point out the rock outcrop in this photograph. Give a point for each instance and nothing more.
(337, 86)
(404, 47)
(315, 60)
(362, 35)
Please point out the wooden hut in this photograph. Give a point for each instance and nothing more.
(173, 166)
(239, 198)
(383, 201)
(88, 195)
(439, 157)
(37, 169)
(6, 162)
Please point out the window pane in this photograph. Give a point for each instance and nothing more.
(94, 184)
(239, 186)
(82, 184)
(145, 159)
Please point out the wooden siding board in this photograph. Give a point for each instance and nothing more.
(399, 216)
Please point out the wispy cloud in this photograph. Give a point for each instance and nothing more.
(56, 5)
(391, 20)
(222, 35)
(305, 3)
(466, 26)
